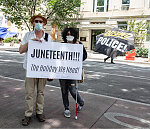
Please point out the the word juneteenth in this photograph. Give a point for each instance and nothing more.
(52, 54)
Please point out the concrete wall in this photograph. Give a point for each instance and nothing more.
(140, 4)
(87, 5)
(114, 5)
(85, 33)
(110, 18)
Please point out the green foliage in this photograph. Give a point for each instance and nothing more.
(10, 39)
(141, 52)
(139, 28)
(59, 11)
(62, 12)
(19, 11)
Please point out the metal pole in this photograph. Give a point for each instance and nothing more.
(76, 99)
(149, 52)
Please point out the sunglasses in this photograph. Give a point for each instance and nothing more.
(36, 21)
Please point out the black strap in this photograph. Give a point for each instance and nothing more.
(46, 37)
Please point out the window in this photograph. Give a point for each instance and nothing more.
(122, 25)
(94, 33)
(125, 4)
(97, 22)
(100, 5)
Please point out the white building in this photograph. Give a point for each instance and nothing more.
(97, 16)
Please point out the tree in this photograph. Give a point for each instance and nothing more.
(19, 11)
(59, 11)
(139, 28)
(62, 12)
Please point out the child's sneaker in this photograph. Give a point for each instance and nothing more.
(67, 113)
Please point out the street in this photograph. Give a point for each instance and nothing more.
(114, 35)
(127, 81)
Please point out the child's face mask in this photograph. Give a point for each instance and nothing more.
(70, 38)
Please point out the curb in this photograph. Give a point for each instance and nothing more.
(91, 55)
(98, 56)
(117, 60)
(10, 49)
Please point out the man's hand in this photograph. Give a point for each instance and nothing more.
(23, 48)
(36, 39)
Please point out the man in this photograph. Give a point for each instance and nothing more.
(112, 54)
(108, 58)
(39, 35)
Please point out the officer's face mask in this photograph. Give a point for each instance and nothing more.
(38, 26)
(70, 38)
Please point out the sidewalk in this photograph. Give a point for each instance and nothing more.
(98, 56)
(7, 47)
(91, 55)
(99, 112)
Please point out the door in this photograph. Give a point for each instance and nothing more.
(93, 37)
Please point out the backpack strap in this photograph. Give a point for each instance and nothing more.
(46, 37)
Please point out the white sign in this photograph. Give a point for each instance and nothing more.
(54, 60)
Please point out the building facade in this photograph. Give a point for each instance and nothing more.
(98, 16)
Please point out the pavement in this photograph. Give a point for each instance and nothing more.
(98, 56)
(99, 112)
(91, 55)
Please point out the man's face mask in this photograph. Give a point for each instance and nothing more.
(38, 26)
(70, 38)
